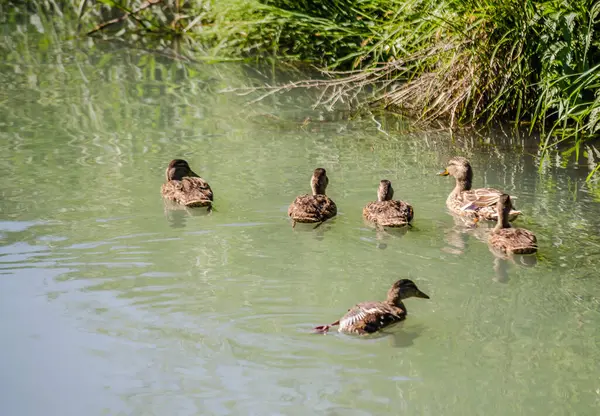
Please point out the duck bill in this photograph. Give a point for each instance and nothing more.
(443, 172)
(420, 294)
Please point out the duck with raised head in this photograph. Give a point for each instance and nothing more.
(508, 240)
(463, 200)
(386, 212)
(315, 208)
(369, 317)
(185, 187)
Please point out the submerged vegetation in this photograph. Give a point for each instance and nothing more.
(464, 62)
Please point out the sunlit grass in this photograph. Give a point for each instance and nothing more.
(463, 62)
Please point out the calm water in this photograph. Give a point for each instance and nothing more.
(111, 305)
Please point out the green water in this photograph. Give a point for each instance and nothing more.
(111, 305)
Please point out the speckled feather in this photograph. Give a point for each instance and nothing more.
(369, 317)
(479, 203)
(189, 191)
(312, 208)
(469, 202)
(388, 213)
(513, 240)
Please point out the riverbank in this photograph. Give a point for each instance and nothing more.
(535, 63)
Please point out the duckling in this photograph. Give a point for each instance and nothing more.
(509, 240)
(315, 208)
(369, 317)
(185, 187)
(386, 212)
(471, 202)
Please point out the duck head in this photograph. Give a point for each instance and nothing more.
(403, 289)
(319, 181)
(177, 169)
(385, 192)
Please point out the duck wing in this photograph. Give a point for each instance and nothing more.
(479, 198)
(514, 240)
(312, 208)
(369, 317)
(482, 202)
(388, 213)
(189, 191)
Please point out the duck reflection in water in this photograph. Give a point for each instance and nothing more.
(318, 231)
(502, 265)
(177, 215)
(383, 235)
(457, 237)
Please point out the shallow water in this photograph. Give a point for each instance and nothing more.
(110, 304)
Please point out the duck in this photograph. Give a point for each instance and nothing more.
(507, 240)
(185, 187)
(386, 212)
(315, 208)
(369, 317)
(469, 202)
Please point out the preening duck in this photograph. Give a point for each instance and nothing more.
(185, 187)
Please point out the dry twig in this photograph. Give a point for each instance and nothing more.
(132, 14)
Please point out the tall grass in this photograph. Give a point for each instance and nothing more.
(465, 62)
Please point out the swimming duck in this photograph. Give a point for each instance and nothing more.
(185, 187)
(317, 207)
(510, 240)
(469, 202)
(386, 212)
(368, 317)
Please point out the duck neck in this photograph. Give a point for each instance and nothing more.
(317, 189)
(462, 184)
(397, 303)
(502, 219)
(177, 174)
(394, 298)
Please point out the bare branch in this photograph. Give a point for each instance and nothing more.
(132, 14)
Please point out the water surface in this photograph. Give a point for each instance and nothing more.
(110, 304)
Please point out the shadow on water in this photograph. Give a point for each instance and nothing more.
(398, 335)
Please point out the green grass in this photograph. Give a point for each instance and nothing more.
(462, 62)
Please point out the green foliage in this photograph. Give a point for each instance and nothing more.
(533, 62)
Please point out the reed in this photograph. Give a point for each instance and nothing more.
(464, 62)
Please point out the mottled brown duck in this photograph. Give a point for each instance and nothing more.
(508, 240)
(369, 317)
(463, 200)
(315, 208)
(386, 212)
(185, 187)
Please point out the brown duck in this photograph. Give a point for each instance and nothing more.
(185, 187)
(386, 212)
(463, 200)
(369, 317)
(315, 208)
(506, 239)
